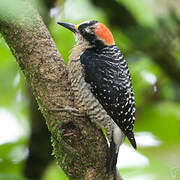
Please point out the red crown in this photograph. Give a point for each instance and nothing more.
(104, 34)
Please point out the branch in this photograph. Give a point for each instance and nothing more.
(81, 154)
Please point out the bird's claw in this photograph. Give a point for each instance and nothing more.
(68, 109)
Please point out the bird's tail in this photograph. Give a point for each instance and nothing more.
(130, 136)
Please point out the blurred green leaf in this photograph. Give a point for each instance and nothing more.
(54, 172)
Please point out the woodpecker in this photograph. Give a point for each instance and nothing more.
(101, 83)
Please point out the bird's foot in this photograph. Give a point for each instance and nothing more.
(111, 159)
(68, 109)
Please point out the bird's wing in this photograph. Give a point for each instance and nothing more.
(111, 84)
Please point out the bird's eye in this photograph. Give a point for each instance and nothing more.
(81, 30)
(88, 30)
(84, 31)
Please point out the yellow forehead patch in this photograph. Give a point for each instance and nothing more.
(77, 26)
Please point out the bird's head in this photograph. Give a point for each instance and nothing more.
(92, 32)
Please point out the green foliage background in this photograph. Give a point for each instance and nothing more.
(154, 37)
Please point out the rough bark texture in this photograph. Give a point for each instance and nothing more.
(37, 160)
(80, 148)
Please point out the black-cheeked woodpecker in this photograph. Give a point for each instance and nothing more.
(101, 83)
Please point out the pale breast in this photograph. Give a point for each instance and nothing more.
(84, 97)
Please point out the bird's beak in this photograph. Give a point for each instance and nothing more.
(69, 26)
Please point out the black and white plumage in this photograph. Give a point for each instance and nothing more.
(102, 85)
(107, 73)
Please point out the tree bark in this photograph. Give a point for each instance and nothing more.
(37, 161)
(78, 145)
